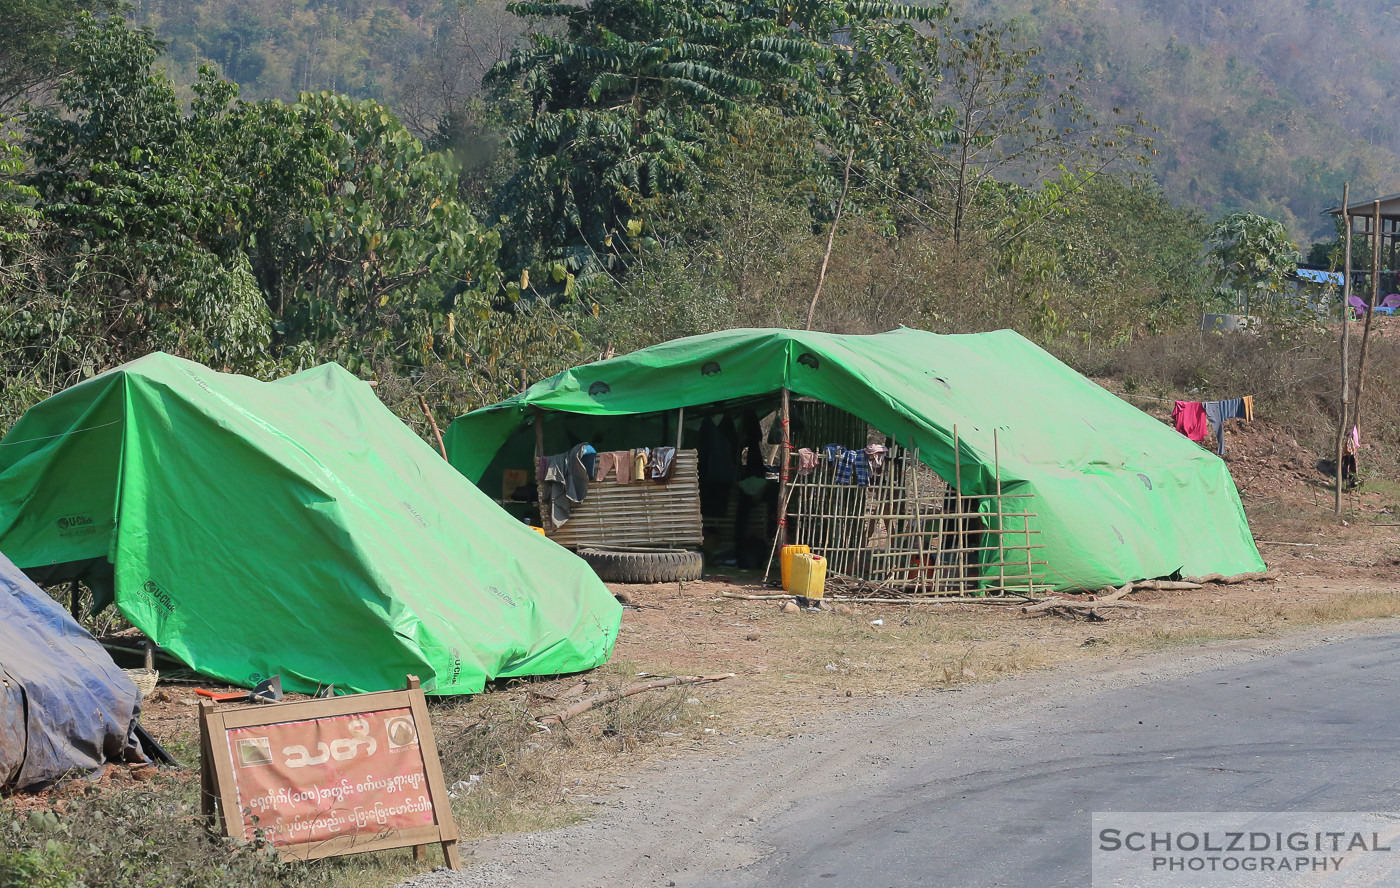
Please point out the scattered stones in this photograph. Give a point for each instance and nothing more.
(790, 607)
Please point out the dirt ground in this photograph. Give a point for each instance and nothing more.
(794, 672)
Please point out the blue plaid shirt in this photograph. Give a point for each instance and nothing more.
(853, 463)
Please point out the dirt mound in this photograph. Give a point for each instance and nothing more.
(1266, 460)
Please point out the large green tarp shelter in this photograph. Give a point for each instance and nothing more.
(295, 527)
(1118, 496)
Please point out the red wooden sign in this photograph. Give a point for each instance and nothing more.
(325, 777)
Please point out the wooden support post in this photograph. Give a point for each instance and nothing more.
(75, 601)
(785, 417)
(1346, 332)
(921, 573)
(959, 524)
(535, 469)
(1001, 551)
(680, 428)
(1370, 312)
(420, 852)
(208, 782)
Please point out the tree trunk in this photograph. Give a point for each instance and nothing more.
(831, 238)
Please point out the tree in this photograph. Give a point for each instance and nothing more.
(255, 237)
(1011, 125)
(356, 233)
(1253, 258)
(141, 209)
(35, 47)
(616, 114)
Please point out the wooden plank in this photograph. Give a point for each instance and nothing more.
(437, 785)
(640, 513)
(208, 785)
(360, 843)
(275, 713)
(223, 774)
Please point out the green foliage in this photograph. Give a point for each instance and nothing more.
(34, 44)
(1013, 125)
(644, 168)
(48, 867)
(141, 839)
(616, 113)
(1263, 106)
(254, 237)
(357, 235)
(1253, 259)
(141, 212)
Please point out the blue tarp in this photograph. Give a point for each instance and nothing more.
(1317, 276)
(65, 707)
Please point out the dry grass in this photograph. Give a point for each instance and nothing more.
(509, 774)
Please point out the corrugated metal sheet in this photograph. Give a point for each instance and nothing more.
(643, 513)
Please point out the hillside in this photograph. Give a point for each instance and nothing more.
(1263, 106)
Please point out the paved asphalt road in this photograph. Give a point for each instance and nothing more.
(1009, 803)
(993, 784)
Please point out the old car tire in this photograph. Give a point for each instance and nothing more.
(618, 564)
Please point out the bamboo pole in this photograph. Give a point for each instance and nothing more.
(1370, 312)
(782, 504)
(923, 572)
(535, 469)
(960, 523)
(1346, 332)
(966, 549)
(423, 404)
(996, 460)
(785, 415)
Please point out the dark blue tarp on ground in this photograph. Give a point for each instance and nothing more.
(65, 707)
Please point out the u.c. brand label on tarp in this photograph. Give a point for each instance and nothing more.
(311, 780)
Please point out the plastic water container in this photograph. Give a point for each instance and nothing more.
(808, 575)
(538, 530)
(786, 561)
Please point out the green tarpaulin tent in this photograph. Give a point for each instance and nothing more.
(1118, 495)
(295, 528)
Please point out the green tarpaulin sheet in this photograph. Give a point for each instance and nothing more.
(295, 527)
(1118, 496)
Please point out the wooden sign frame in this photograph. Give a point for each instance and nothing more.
(219, 793)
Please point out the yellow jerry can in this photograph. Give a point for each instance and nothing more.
(808, 575)
(786, 561)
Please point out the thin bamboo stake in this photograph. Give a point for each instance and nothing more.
(941, 600)
(1346, 333)
(423, 404)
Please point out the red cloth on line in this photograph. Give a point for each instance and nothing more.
(1189, 417)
